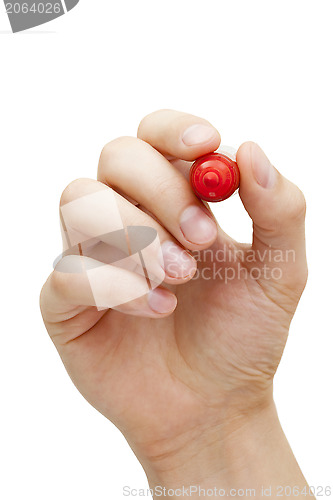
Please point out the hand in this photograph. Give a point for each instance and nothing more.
(179, 380)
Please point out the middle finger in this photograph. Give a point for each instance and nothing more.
(136, 169)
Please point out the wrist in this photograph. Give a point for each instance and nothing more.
(248, 452)
(214, 452)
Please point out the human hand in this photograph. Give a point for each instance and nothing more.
(178, 382)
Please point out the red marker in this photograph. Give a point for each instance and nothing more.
(214, 177)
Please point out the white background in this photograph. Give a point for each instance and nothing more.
(258, 70)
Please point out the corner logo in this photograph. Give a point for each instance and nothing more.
(28, 14)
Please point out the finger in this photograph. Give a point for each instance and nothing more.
(277, 208)
(82, 281)
(178, 134)
(99, 223)
(138, 170)
(182, 166)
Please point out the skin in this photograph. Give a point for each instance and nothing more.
(191, 389)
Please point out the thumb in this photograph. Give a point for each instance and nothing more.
(277, 208)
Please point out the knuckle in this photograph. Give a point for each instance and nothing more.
(297, 206)
(305, 276)
(147, 119)
(59, 284)
(73, 189)
(297, 282)
(111, 154)
(111, 149)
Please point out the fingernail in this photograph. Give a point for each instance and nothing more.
(263, 170)
(177, 262)
(198, 134)
(161, 301)
(196, 226)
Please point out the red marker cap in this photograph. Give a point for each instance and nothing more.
(214, 177)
